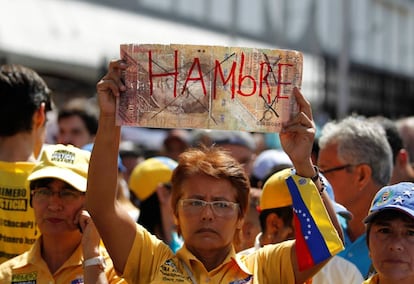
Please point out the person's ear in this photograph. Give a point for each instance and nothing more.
(239, 224)
(402, 157)
(276, 226)
(39, 117)
(273, 223)
(364, 175)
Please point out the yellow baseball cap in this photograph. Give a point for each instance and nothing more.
(275, 191)
(64, 162)
(148, 174)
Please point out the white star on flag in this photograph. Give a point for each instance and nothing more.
(305, 218)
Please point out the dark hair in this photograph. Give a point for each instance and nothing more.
(43, 182)
(285, 213)
(89, 119)
(150, 215)
(22, 91)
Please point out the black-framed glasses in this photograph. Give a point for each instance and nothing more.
(219, 208)
(65, 194)
(334, 169)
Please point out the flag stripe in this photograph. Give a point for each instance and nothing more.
(313, 201)
(310, 232)
(302, 250)
(316, 228)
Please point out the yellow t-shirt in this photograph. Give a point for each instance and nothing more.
(18, 230)
(152, 261)
(30, 267)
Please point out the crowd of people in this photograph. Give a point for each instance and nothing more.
(83, 203)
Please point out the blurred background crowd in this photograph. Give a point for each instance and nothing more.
(358, 76)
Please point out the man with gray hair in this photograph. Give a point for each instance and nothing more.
(356, 158)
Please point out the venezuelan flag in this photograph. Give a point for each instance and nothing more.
(316, 237)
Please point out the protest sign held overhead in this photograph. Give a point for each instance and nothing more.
(211, 87)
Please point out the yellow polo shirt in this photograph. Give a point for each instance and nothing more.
(30, 268)
(152, 261)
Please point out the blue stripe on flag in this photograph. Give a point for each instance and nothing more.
(313, 237)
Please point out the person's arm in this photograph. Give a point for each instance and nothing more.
(116, 228)
(327, 201)
(92, 273)
(297, 138)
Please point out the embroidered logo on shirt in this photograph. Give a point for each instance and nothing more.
(24, 278)
(170, 272)
(77, 280)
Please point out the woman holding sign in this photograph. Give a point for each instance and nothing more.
(209, 198)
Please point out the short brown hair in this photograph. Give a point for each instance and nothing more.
(214, 162)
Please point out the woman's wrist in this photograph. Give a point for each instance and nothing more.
(91, 253)
(314, 175)
(318, 181)
(98, 261)
(305, 169)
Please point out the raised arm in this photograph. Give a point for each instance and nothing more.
(116, 228)
(297, 137)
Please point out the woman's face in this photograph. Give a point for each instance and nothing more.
(55, 213)
(391, 244)
(208, 228)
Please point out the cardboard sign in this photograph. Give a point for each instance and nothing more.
(210, 87)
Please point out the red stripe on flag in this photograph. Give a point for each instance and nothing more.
(303, 254)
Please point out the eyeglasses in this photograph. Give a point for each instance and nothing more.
(66, 195)
(334, 169)
(219, 208)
